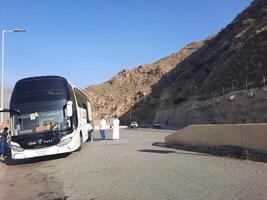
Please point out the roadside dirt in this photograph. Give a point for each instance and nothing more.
(23, 181)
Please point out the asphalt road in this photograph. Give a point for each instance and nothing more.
(135, 167)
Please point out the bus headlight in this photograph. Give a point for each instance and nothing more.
(64, 142)
(16, 148)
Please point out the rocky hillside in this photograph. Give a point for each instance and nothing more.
(129, 86)
(236, 54)
(242, 106)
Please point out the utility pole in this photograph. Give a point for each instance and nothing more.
(130, 113)
(131, 110)
(2, 66)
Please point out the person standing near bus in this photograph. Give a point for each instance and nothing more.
(90, 132)
(3, 145)
(102, 128)
(116, 128)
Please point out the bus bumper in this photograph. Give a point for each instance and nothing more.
(52, 150)
(40, 152)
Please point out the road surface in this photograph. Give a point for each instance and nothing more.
(135, 167)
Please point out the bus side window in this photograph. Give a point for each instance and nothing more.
(82, 102)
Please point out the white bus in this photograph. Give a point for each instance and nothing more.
(48, 116)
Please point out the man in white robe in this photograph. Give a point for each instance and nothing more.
(116, 128)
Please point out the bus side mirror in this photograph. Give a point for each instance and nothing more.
(69, 108)
(4, 110)
(10, 111)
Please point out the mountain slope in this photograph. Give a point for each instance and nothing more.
(233, 56)
(130, 85)
(236, 54)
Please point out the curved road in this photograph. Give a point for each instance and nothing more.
(135, 167)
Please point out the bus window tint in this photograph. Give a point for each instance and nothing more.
(81, 98)
(82, 102)
(39, 90)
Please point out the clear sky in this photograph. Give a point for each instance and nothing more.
(89, 41)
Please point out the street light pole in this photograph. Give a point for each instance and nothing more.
(2, 67)
(2, 75)
(131, 114)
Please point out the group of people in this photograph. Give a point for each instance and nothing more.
(115, 128)
(4, 143)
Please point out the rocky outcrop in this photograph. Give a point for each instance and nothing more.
(130, 86)
(236, 54)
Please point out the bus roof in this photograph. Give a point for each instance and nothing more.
(42, 77)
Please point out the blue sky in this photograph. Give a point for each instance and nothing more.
(89, 41)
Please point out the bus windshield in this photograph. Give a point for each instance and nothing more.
(42, 117)
(38, 90)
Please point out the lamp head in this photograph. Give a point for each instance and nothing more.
(18, 30)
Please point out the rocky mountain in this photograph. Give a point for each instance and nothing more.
(236, 54)
(129, 86)
(232, 58)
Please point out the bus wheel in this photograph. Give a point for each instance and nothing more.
(81, 142)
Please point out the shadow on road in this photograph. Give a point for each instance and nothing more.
(10, 162)
(156, 151)
(168, 151)
(222, 151)
(99, 140)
